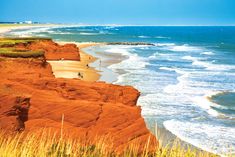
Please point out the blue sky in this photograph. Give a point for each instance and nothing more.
(134, 12)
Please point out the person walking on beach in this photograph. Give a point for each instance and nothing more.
(80, 75)
(100, 64)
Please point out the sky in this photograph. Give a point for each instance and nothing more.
(123, 12)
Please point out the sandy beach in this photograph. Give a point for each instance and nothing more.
(77, 69)
(4, 28)
(88, 69)
(65, 68)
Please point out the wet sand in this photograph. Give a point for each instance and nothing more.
(103, 63)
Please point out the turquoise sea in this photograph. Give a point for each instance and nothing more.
(186, 79)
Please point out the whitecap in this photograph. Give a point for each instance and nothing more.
(164, 44)
(104, 32)
(142, 36)
(165, 56)
(134, 61)
(144, 48)
(58, 32)
(176, 70)
(85, 33)
(189, 58)
(110, 27)
(207, 53)
(166, 68)
(154, 56)
(205, 104)
(211, 66)
(162, 37)
(184, 48)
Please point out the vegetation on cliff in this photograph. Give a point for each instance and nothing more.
(37, 47)
(9, 42)
(7, 52)
(47, 144)
(7, 48)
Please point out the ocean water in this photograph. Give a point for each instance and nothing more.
(186, 80)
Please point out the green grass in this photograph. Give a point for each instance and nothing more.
(9, 42)
(7, 48)
(45, 144)
(20, 54)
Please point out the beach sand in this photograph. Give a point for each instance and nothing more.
(77, 69)
(97, 69)
(103, 63)
(4, 28)
(88, 69)
(64, 68)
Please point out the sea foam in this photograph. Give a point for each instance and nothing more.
(192, 132)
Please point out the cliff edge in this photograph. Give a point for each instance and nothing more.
(31, 98)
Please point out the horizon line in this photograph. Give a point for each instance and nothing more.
(119, 25)
(116, 25)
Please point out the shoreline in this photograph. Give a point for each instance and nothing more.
(68, 68)
(166, 138)
(64, 68)
(89, 74)
(97, 69)
(4, 28)
(103, 62)
(77, 69)
(91, 109)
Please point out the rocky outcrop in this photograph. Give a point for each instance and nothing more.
(14, 112)
(32, 99)
(18, 111)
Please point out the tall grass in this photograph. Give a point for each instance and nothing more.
(47, 144)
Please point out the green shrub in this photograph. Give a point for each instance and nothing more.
(20, 54)
(9, 42)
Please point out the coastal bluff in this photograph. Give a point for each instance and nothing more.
(32, 99)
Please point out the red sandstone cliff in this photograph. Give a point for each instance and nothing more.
(31, 98)
(53, 51)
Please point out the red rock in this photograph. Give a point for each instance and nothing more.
(53, 51)
(32, 98)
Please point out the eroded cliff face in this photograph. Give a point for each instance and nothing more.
(53, 51)
(31, 98)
